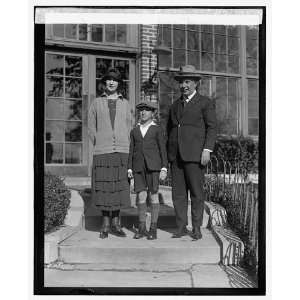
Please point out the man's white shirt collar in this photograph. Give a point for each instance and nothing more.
(190, 97)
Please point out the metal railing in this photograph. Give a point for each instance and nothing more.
(237, 191)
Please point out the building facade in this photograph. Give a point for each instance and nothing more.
(77, 55)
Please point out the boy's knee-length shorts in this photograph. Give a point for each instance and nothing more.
(146, 180)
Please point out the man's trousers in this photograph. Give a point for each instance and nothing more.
(187, 176)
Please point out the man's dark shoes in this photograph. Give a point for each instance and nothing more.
(142, 232)
(116, 228)
(180, 232)
(104, 228)
(152, 232)
(196, 234)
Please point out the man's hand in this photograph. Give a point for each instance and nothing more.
(205, 158)
(163, 174)
(129, 174)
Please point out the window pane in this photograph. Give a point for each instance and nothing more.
(54, 64)
(252, 32)
(207, 61)
(54, 153)
(221, 63)
(251, 66)
(232, 107)
(207, 28)
(232, 87)
(233, 30)
(207, 42)
(100, 87)
(252, 88)
(110, 33)
(73, 110)
(233, 45)
(193, 40)
(165, 60)
(165, 83)
(73, 132)
(102, 66)
(252, 48)
(73, 154)
(54, 108)
(253, 126)
(97, 33)
(71, 31)
(179, 39)
(123, 67)
(83, 32)
(73, 66)
(165, 101)
(73, 88)
(233, 64)
(179, 26)
(252, 109)
(124, 89)
(193, 27)
(205, 86)
(121, 33)
(220, 44)
(55, 131)
(54, 86)
(179, 58)
(58, 30)
(220, 29)
(166, 37)
(194, 59)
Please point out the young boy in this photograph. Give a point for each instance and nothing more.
(147, 163)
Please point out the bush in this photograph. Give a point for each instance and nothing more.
(56, 201)
(242, 152)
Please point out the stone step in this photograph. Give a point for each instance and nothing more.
(86, 247)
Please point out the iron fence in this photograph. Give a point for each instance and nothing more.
(237, 191)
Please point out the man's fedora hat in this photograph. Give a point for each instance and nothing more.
(147, 104)
(112, 73)
(187, 71)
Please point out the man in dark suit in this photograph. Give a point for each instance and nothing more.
(191, 137)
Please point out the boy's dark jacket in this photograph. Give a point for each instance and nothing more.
(151, 148)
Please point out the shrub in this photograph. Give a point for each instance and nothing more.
(242, 152)
(56, 201)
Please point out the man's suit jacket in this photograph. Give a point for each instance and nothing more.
(191, 128)
(150, 148)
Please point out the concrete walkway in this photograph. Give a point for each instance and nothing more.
(129, 275)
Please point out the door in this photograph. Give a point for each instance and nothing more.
(72, 81)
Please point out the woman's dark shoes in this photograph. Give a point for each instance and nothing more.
(142, 232)
(180, 233)
(152, 235)
(116, 228)
(196, 234)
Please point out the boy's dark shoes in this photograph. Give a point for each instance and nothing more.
(152, 235)
(142, 232)
(180, 233)
(196, 234)
(116, 228)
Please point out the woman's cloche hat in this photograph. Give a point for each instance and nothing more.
(112, 73)
(187, 71)
(147, 104)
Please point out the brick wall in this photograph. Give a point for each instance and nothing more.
(148, 66)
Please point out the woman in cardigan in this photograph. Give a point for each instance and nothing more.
(109, 128)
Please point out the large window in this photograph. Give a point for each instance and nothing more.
(216, 52)
(63, 109)
(207, 47)
(101, 33)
